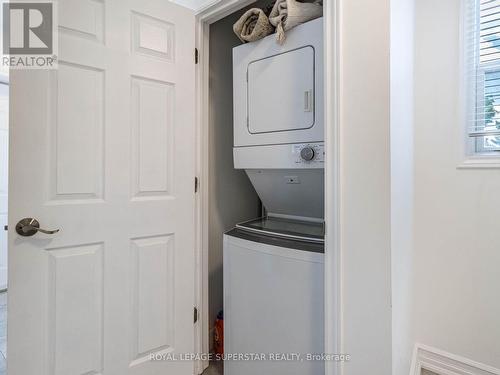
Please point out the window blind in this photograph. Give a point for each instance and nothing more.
(482, 38)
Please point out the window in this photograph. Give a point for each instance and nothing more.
(483, 65)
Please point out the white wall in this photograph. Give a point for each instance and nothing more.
(402, 180)
(365, 186)
(232, 198)
(196, 5)
(457, 248)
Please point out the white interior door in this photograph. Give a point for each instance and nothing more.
(103, 149)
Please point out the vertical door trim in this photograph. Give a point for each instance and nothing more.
(333, 198)
(201, 339)
(333, 269)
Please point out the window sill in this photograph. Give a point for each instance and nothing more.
(481, 162)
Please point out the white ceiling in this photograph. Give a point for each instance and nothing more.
(196, 5)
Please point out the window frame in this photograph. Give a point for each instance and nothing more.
(473, 154)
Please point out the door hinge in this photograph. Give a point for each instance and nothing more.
(196, 55)
(195, 315)
(196, 184)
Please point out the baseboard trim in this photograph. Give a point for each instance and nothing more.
(444, 363)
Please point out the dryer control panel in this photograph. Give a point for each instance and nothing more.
(308, 153)
(291, 156)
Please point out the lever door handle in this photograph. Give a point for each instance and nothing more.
(28, 227)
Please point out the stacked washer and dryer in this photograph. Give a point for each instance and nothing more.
(273, 266)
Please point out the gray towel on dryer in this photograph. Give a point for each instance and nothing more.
(290, 13)
(252, 26)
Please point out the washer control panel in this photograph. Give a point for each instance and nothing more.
(309, 153)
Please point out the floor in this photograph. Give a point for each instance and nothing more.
(3, 333)
(215, 368)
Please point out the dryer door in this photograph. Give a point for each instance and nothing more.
(281, 92)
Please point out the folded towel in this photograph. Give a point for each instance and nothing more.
(252, 26)
(290, 13)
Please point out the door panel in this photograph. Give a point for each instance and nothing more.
(153, 299)
(77, 122)
(83, 18)
(106, 155)
(75, 286)
(152, 121)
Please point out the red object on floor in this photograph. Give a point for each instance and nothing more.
(219, 335)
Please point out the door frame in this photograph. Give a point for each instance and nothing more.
(333, 270)
(4, 80)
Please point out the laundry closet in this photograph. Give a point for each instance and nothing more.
(266, 194)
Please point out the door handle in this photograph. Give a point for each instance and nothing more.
(308, 101)
(28, 227)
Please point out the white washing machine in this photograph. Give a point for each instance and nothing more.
(273, 267)
(273, 296)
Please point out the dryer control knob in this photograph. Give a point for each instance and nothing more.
(307, 153)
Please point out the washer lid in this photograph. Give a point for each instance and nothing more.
(298, 230)
(312, 247)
